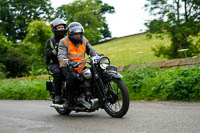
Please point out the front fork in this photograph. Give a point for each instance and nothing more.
(100, 87)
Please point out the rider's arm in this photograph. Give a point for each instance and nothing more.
(62, 51)
(90, 50)
(48, 52)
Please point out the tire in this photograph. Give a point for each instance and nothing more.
(124, 97)
(63, 111)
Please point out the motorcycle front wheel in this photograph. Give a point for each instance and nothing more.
(117, 104)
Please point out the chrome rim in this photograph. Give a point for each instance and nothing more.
(117, 105)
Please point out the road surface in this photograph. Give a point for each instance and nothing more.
(142, 117)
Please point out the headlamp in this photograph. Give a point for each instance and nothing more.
(104, 62)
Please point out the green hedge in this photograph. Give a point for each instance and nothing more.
(143, 84)
(171, 84)
(29, 89)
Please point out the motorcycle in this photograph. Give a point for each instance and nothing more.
(100, 87)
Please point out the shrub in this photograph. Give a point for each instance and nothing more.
(15, 61)
(142, 83)
(3, 72)
(29, 88)
(171, 84)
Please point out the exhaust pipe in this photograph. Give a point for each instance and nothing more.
(84, 103)
(61, 106)
(94, 103)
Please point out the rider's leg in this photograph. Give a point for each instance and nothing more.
(57, 81)
(70, 77)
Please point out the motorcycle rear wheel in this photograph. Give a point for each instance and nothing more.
(119, 97)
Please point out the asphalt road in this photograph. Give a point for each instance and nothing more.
(143, 117)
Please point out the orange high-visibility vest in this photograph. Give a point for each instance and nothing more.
(76, 54)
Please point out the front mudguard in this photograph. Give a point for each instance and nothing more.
(115, 75)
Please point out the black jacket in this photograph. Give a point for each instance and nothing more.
(50, 57)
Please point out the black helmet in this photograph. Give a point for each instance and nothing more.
(56, 23)
(75, 27)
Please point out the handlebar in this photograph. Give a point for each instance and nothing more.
(80, 62)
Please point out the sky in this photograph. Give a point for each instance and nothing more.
(128, 19)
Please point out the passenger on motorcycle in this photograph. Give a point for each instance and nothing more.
(59, 29)
(71, 50)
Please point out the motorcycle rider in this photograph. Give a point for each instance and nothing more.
(73, 47)
(59, 29)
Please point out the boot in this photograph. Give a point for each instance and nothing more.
(58, 99)
(66, 104)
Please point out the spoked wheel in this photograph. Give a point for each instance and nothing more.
(63, 111)
(117, 103)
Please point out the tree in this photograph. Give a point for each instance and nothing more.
(27, 56)
(15, 15)
(4, 44)
(15, 62)
(90, 14)
(180, 20)
(105, 8)
(35, 42)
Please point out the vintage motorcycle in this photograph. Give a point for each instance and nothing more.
(100, 87)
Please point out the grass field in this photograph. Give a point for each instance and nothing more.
(131, 50)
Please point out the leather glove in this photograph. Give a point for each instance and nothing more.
(64, 63)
